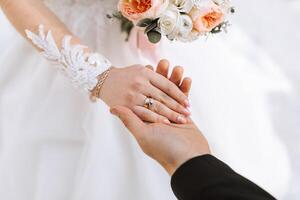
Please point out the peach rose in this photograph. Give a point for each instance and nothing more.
(206, 17)
(136, 10)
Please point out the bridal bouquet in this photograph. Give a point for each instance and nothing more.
(183, 20)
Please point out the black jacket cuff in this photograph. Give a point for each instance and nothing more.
(206, 177)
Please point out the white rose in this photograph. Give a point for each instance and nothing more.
(192, 36)
(199, 3)
(186, 25)
(184, 6)
(169, 23)
(225, 5)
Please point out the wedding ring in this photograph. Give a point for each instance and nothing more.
(148, 102)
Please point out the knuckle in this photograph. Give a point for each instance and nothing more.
(138, 85)
(136, 80)
(174, 116)
(158, 108)
(130, 96)
(178, 107)
(163, 98)
(145, 71)
(170, 89)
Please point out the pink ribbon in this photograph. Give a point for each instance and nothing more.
(138, 41)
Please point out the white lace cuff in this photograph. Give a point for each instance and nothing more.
(82, 68)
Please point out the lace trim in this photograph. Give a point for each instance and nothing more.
(82, 68)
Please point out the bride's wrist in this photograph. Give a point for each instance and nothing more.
(96, 91)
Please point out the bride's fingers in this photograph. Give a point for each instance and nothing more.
(160, 109)
(149, 116)
(166, 100)
(186, 85)
(177, 75)
(169, 88)
(163, 68)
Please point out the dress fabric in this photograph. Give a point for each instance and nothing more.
(56, 144)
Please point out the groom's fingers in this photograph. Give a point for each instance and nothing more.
(177, 75)
(186, 85)
(129, 119)
(163, 67)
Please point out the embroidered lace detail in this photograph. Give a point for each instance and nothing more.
(82, 68)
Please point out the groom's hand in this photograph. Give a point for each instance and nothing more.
(169, 144)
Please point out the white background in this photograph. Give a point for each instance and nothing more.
(275, 26)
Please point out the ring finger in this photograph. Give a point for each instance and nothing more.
(168, 101)
(149, 116)
(163, 110)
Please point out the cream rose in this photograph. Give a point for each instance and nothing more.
(206, 16)
(170, 22)
(186, 25)
(136, 10)
(184, 5)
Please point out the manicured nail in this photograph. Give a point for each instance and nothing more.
(181, 119)
(187, 103)
(187, 112)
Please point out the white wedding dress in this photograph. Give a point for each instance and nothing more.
(56, 144)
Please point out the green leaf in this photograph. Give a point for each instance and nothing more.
(154, 36)
(144, 22)
(216, 30)
(125, 25)
(232, 10)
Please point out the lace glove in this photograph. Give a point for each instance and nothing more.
(85, 70)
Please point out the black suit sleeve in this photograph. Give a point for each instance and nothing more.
(206, 177)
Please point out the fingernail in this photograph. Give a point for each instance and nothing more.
(166, 121)
(187, 112)
(187, 103)
(181, 119)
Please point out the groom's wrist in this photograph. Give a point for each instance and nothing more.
(198, 170)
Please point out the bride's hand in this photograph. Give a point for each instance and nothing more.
(176, 77)
(130, 86)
